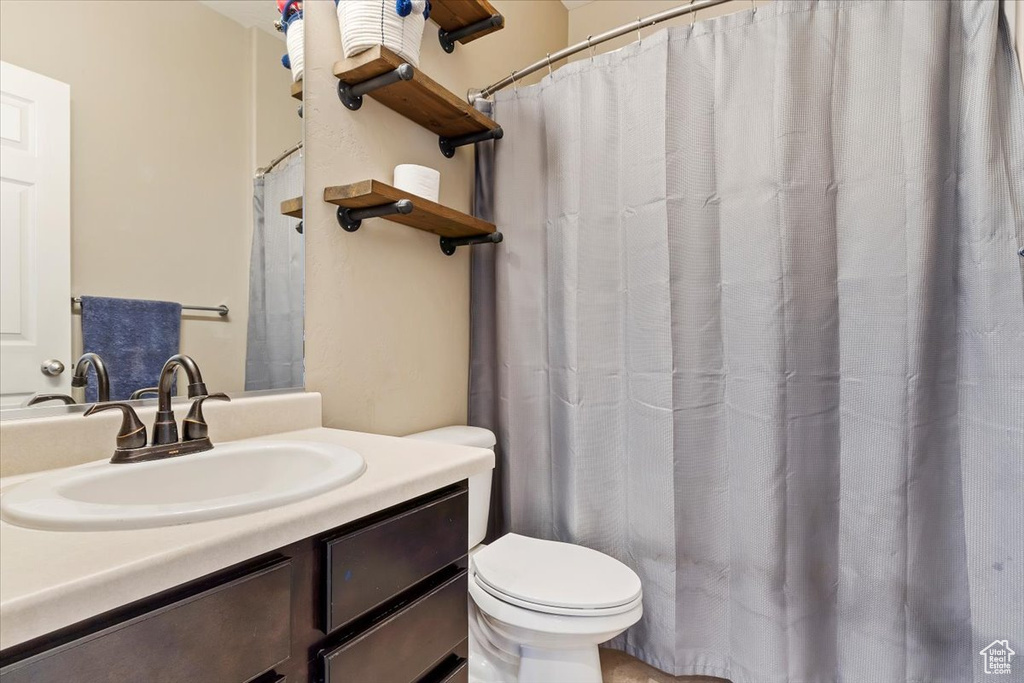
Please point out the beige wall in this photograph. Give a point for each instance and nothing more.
(602, 15)
(163, 140)
(387, 314)
(274, 111)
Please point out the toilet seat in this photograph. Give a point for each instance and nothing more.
(533, 627)
(552, 609)
(555, 578)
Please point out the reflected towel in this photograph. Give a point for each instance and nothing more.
(134, 338)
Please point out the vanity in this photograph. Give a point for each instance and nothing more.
(382, 598)
(284, 551)
(364, 582)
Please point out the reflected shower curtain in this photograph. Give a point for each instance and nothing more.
(757, 330)
(273, 357)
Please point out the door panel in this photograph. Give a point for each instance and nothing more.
(35, 246)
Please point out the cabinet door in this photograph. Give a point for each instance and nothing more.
(230, 633)
(368, 567)
(406, 645)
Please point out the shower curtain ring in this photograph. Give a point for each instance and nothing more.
(515, 85)
(639, 40)
(693, 14)
(591, 47)
(549, 64)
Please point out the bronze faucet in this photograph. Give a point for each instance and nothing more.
(165, 429)
(80, 378)
(131, 438)
(40, 398)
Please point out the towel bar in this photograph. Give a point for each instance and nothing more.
(221, 310)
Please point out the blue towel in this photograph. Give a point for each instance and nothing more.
(133, 337)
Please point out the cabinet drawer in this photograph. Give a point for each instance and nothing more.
(459, 675)
(455, 669)
(229, 633)
(365, 568)
(407, 644)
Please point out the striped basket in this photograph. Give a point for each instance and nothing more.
(367, 23)
(294, 31)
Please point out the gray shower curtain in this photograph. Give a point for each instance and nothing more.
(274, 346)
(757, 330)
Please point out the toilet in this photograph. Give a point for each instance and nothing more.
(538, 608)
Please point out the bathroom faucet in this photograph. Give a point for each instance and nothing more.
(131, 438)
(165, 429)
(80, 378)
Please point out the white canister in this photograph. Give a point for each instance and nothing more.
(421, 181)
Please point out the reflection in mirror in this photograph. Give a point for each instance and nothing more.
(147, 147)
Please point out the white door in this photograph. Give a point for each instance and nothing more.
(35, 232)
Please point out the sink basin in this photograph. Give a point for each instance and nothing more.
(232, 479)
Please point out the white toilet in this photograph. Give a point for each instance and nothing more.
(539, 608)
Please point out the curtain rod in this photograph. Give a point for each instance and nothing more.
(591, 41)
(278, 159)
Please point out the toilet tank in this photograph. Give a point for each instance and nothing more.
(479, 484)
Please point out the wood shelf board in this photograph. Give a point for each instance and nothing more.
(421, 99)
(426, 215)
(297, 89)
(454, 14)
(292, 207)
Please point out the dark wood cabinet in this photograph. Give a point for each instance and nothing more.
(231, 632)
(406, 645)
(365, 568)
(380, 599)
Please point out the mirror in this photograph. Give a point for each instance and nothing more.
(147, 148)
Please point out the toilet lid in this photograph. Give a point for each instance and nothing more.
(549, 573)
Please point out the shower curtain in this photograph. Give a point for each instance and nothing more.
(273, 357)
(757, 330)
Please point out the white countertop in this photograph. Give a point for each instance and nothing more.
(52, 579)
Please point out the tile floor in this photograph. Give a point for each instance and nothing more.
(618, 667)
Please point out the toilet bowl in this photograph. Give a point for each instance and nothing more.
(538, 608)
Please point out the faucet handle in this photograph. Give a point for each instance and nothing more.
(132, 433)
(194, 426)
(36, 399)
(140, 393)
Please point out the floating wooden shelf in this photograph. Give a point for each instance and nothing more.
(297, 89)
(419, 99)
(292, 207)
(426, 215)
(453, 15)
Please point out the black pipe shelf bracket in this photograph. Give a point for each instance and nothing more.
(351, 219)
(448, 145)
(448, 38)
(449, 244)
(352, 95)
(374, 199)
